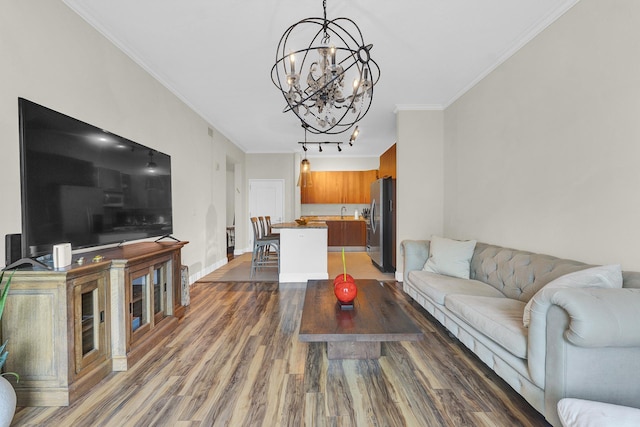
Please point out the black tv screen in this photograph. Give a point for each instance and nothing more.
(86, 186)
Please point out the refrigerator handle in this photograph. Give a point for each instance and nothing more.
(372, 215)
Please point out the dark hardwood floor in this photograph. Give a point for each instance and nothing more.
(235, 360)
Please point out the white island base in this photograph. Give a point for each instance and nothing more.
(303, 252)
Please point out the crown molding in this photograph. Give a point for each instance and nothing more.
(417, 107)
(527, 36)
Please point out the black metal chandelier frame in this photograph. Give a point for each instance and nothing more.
(321, 106)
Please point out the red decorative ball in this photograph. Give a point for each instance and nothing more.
(341, 278)
(345, 291)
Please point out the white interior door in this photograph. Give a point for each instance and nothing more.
(266, 198)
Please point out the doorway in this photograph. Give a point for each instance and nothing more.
(230, 208)
(266, 198)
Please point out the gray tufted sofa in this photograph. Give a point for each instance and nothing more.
(587, 346)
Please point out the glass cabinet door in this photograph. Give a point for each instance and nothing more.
(139, 303)
(149, 297)
(89, 301)
(89, 319)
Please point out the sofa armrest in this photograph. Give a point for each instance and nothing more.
(601, 317)
(585, 343)
(415, 254)
(597, 317)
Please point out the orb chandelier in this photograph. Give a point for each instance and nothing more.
(327, 82)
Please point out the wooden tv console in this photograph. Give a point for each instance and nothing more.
(69, 328)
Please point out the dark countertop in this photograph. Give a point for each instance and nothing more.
(332, 218)
(310, 224)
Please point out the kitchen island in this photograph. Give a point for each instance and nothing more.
(344, 232)
(303, 251)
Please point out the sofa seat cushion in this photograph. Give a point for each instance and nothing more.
(437, 286)
(500, 319)
(586, 413)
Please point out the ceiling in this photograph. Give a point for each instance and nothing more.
(217, 56)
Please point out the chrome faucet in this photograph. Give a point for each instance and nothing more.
(342, 211)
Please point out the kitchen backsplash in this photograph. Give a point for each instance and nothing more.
(331, 209)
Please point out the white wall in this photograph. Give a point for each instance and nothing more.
(270, 166)
(543, 154)
(52, 57)
(420, 175)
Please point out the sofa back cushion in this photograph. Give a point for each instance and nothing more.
(631, 279)
(518, 274)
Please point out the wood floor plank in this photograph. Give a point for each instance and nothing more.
(414, 393)
(251, 400)
(372, 384)
(221, 409)
(395, 387)
(293, 401)
(276, 379)
(314, 410)
(338, 396)
(235, 360)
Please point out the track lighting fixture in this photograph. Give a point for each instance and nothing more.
(352, 138)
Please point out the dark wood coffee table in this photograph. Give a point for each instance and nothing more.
(356, 333)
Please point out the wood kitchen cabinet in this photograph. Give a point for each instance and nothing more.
(329, 187)
(346, 233)
(388, 163)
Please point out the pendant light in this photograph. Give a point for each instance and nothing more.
(304, 178)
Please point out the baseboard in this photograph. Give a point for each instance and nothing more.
(347, 248)
(302, 277)
(200, 274)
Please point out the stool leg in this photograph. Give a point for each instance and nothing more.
(254, 260)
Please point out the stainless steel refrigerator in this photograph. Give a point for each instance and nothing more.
(381, 228)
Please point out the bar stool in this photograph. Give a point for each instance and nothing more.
(267, 220)
(262, 255)
(266, 230)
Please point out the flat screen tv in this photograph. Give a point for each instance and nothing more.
(86, 186)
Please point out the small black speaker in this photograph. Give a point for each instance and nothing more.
(12, 248)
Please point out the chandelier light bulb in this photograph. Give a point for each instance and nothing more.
(354, 135)
(292, 63)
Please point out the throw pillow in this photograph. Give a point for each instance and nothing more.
(605, 276)
(450, 257)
